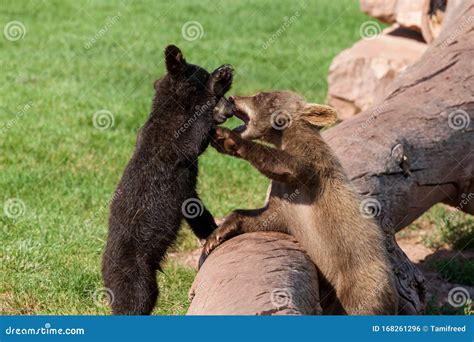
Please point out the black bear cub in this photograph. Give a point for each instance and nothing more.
(158, 187)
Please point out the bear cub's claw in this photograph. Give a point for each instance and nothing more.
(223, 233)
(221, 80)
(226, 141)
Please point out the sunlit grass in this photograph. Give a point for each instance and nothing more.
(64, 170)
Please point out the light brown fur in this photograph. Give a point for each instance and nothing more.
(310, 198)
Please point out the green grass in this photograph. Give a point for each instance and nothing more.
(452, 228)
(446, 309)
(457, 270)
(64, 170)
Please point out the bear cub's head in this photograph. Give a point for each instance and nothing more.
(190, 89)
(267, 114)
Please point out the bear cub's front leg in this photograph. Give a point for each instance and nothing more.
(228, 229)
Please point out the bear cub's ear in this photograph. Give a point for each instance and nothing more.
(175, 62)
(319, 115)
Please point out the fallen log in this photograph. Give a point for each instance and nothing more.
(416, 149)
(410, 152)
(279, 278)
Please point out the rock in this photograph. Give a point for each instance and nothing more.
(407, 13)
(359, 76)
(382, 10)
(264, 273)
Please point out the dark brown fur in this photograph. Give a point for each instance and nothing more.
(310, 198)
(146, 211)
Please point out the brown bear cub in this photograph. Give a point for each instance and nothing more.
(160, 181)
(311, 198)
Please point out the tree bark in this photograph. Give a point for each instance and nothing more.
(257, 274)
(404, 155)
(416, 148)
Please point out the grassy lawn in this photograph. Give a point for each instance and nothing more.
(78, 58)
